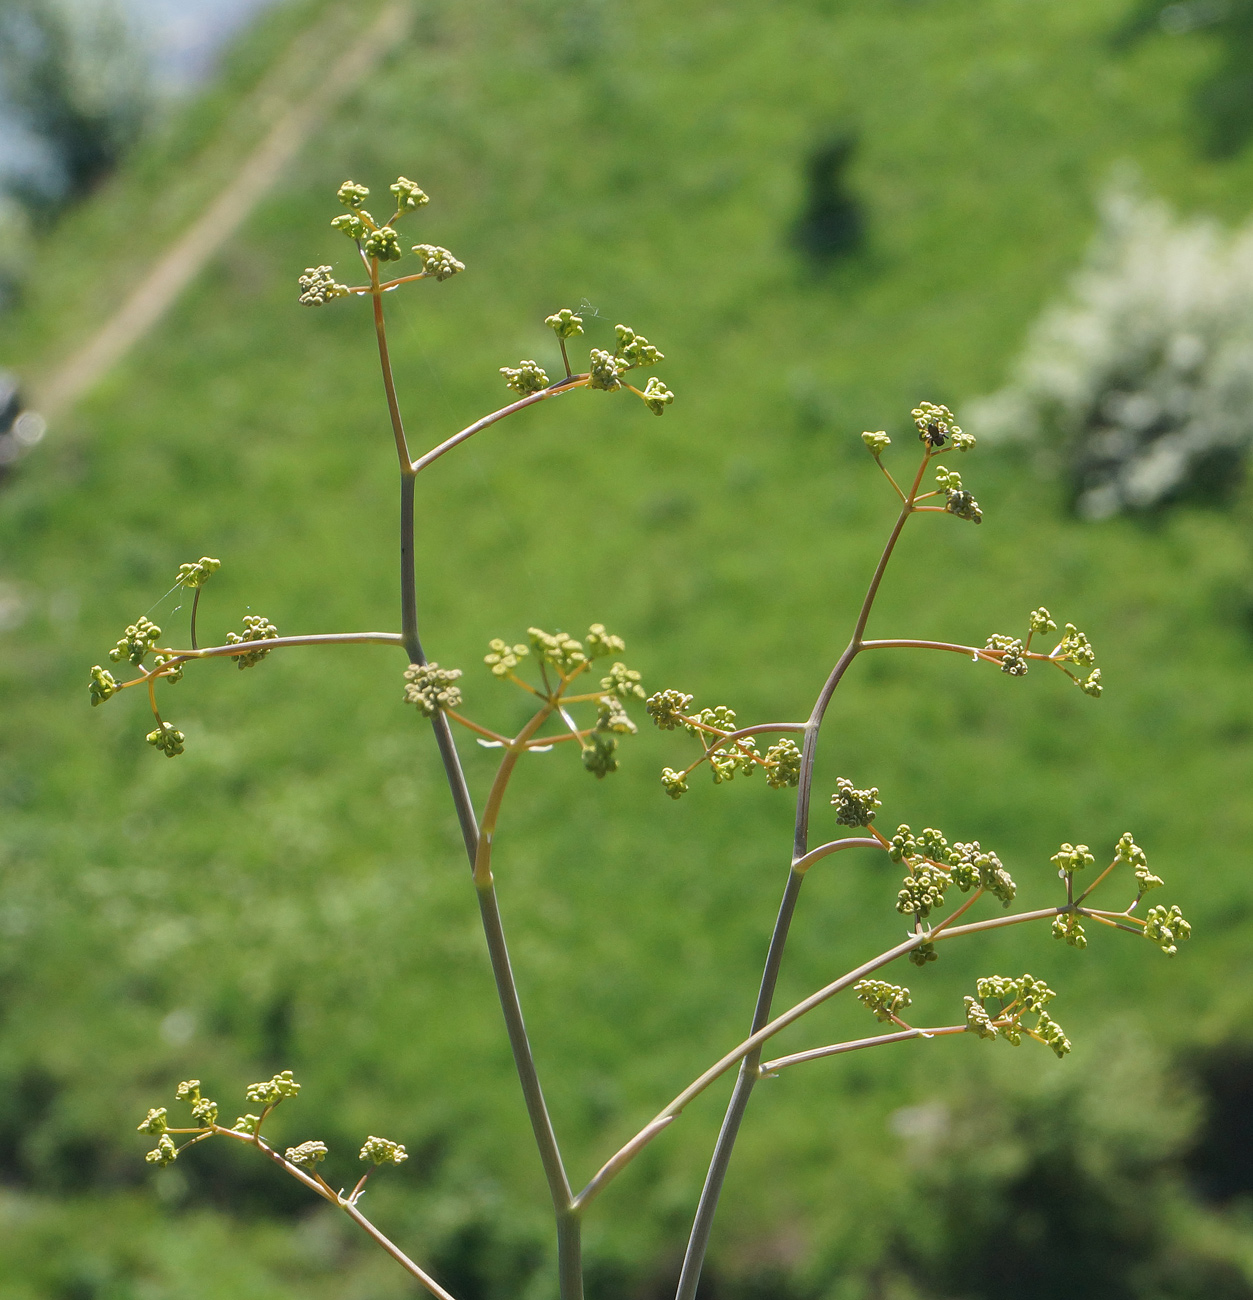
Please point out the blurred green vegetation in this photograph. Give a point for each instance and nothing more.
(291, 892)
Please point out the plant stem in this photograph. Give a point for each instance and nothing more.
(541, 1125)
(195, 605)
(553, 390)
(698, 1240)
(838, 1049)
(318, 1186)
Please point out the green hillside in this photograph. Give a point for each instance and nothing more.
(291, 892)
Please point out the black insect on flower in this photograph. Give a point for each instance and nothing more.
(935, 435)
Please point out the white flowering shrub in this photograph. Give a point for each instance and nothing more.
(1141, 379)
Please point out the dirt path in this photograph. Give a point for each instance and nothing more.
(187, 256)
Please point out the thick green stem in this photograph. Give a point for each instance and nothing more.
(533, 1094)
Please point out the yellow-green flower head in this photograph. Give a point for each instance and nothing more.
(383, 243)
(273, 1090)
(102, 685)
(408, 195)
(168, 739)
(352, 195)
(657, 396)
(855, 807)
(356, 225)
(431, 688)
(528, 378)
(307, 1155)
(256, 628)
(877, 443)
(382, 1151)
(504, 658)
(606, 370)
(317, 287)
(936, 424)
(198, 573)
(884, 999)
(667, 709)
(437, 262)
(565, 324)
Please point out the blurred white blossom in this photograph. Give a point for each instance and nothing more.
(1141, 379)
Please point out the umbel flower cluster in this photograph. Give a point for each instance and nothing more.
(581, 692)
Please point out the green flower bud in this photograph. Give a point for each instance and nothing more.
(719, 717)
(1050, 1032)
(383, 1151)
(1129, 851)
(558, 648)
(136, 642)
(205, 1112)
(438, 262)
(978, 1021)
(973, 865)
(635, 349)
(921, 890)
(924, 953)
(431, 688)
(528, 378)
(164, 1153)
(1013, 650)
(565, 324)
(102, 685)
(963, 441)
(855, 807)
(197, 574)
(1072, 857)
(167, 738)
(666, 708)
(273, 1090)
(902, 845)
(876, 443)
(383, 243)
(884, 999)
(408, 195)
(1041, 621)
(352, 195)
(1092, 684)
(674, 783)
(948, 478)
(504, 657)
(154, 1122)
(606, 371)
(613, 717)
(1167, 929)
(622, 681)
(783, 764)
(657, 396)
(598, 754)
(174, 674)
(964, 506)
(317, 287)
(1066, 926)
(1075, 648)
(355, 225)
(256, 628)
(247, 1124)
(936, 425)
(188, 1091)
(308, 1154)
(933, 845)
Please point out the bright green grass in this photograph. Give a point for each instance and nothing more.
(294, 884)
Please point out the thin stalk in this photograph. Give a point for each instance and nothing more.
(698, 1240)
(320, 1187)
(385, 364)
(838, 1049)
(195, 605)
(553, 390)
